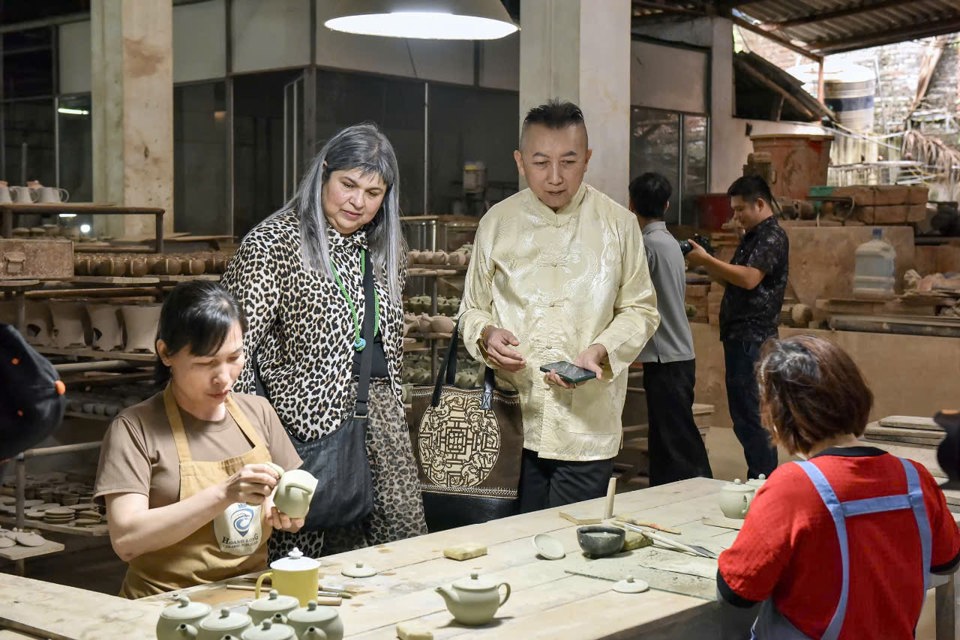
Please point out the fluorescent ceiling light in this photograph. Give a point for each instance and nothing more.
(425, 19)
(73, 112)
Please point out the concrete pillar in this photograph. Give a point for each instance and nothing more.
(132, 94)
(579, 50)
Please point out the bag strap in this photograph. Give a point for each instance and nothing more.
(448, 374)
(366, 356)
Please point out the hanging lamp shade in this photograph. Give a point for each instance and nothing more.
(427, 19)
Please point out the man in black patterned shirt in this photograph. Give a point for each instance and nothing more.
(755, 280)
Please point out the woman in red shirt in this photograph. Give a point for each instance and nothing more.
(840, 545)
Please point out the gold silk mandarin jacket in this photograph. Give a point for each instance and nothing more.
(561, 282)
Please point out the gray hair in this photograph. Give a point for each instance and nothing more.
(364, 147)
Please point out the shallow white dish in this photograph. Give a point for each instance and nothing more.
(548, 547)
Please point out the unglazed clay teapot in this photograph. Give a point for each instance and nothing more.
(474, 601)
(326, 620)
(294, 491)
(183, 613)
(214, 627)
(265, 608)
(269, 630)
(735, 499)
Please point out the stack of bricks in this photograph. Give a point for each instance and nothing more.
(714, 297)
(696, 297)
(886, 204)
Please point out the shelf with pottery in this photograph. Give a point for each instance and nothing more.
(9, 211)
(20, 552)
(87, 352)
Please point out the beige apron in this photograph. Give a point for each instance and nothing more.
(199, 558)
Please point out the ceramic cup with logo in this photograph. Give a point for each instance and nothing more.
(295, 576)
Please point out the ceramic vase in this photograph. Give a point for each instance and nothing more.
(69, 323)
(140, 327)
(105, 327)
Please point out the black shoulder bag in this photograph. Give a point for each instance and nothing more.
(339, 459)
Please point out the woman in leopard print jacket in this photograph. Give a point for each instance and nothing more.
(298, 277)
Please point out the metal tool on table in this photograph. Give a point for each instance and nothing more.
(696, 550)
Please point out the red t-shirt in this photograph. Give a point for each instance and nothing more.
(788, 548)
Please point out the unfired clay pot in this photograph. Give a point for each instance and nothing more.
(69, 323)
(140, 326)
(105, 326)
(37, 323)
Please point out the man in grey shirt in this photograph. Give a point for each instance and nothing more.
(676, 449)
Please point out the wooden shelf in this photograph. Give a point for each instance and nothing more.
(20, 552)
(87, 416)
(439, 270)
(213, 277)
(82, 352)
(128, 280)
(96, 531)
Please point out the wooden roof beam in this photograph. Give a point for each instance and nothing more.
(776, 37)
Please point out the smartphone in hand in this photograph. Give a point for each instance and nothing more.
(569, 372)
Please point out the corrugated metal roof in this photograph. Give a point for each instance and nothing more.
(822, 26)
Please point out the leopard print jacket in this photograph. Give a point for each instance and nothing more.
(300, 327)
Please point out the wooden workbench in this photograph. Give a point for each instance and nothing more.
(547, 600)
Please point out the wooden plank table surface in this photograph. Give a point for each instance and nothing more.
(546, 602)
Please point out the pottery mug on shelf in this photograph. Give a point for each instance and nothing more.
(5, 194)
(52, 195)
(21, 195)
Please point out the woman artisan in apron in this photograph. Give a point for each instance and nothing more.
(184, 473)
(840, 545)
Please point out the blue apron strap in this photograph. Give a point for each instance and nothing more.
(833, 505)
(915, 496)
(876, 505)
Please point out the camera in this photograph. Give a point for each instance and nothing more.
(703, 241)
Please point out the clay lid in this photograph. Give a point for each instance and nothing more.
(313, 614)
(475, 583)
(630, 585)
(274, 603)
(738, 487)
(185, 610)
(358, 570)
(226, 621)
(295, 561)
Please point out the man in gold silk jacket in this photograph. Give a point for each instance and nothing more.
(559, 273)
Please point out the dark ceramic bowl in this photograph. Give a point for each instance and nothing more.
(599, 540)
